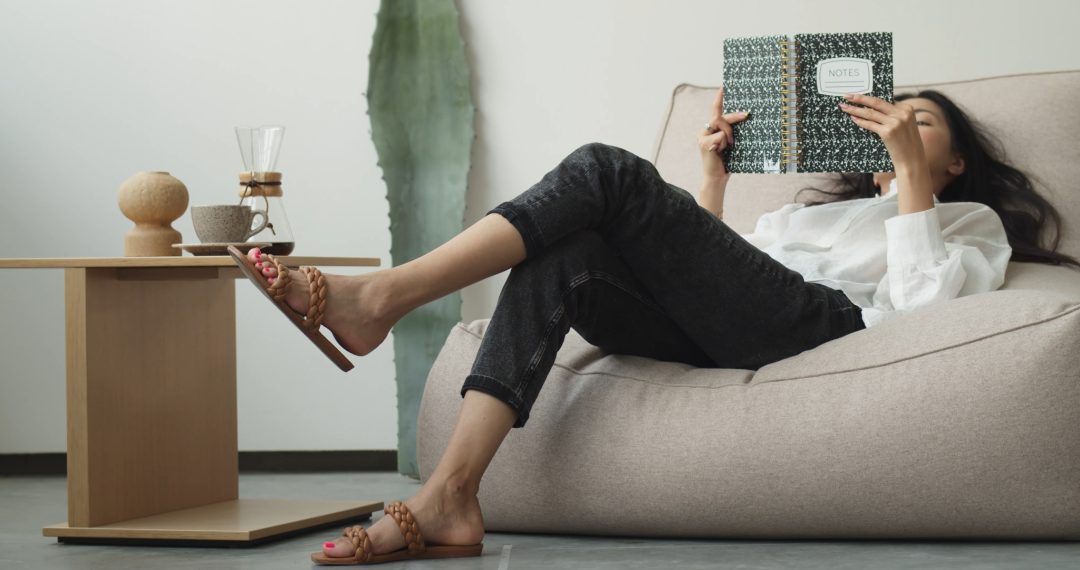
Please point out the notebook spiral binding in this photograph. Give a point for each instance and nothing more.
(789, 152)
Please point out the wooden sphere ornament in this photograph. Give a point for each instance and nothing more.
(153, 200)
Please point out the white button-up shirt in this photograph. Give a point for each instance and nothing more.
(887, 263)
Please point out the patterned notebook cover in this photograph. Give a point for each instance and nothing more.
(791, 87)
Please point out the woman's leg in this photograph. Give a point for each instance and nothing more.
(446, 508)
(670, 243)
(580, 282)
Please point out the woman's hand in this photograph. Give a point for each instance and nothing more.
(896, 126)
(894, 123)
(715, 137)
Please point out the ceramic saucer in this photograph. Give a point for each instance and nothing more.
(219, 248)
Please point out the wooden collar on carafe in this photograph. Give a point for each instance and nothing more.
(260, 184)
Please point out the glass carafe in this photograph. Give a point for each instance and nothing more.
(260, 185)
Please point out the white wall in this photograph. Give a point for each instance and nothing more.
(91, 92)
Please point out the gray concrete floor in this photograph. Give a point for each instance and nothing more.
(29, 503)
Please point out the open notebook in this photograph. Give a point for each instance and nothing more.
(791, 86)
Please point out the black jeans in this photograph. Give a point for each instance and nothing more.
(637, 267)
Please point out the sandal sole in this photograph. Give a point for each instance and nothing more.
(434, 551)
(318, 339)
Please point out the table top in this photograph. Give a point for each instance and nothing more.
(175, 261)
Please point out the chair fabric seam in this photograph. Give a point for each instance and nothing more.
(1067, 312)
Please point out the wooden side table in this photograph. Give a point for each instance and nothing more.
(151, 405)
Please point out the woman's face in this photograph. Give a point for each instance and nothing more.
(937, 146)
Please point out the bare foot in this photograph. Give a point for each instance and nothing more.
(444, 518)
(356, 309)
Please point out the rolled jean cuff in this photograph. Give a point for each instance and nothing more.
(523, 222)
(500, 391)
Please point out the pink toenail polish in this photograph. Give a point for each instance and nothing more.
(328, 545)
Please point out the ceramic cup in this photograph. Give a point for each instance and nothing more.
(226, 223)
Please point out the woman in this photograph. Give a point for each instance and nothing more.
(637, 266)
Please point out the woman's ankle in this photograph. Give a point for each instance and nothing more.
(372, 293)
(453, 487)
(385, 295)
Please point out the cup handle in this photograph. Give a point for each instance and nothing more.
(262, 224)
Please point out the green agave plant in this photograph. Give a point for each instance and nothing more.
(422, 126)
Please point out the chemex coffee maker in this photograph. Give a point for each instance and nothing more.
(260, 185)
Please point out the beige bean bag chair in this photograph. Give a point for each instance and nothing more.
(961, 420)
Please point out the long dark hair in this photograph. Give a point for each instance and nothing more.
(987, 179)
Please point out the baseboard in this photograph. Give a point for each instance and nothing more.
(33, 464)
(14, 464)
(296, 461)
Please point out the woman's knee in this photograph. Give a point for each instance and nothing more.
(597, 153)
(620, 168)
(589, 152)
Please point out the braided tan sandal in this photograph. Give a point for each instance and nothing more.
(415, 547)
(308, 324)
